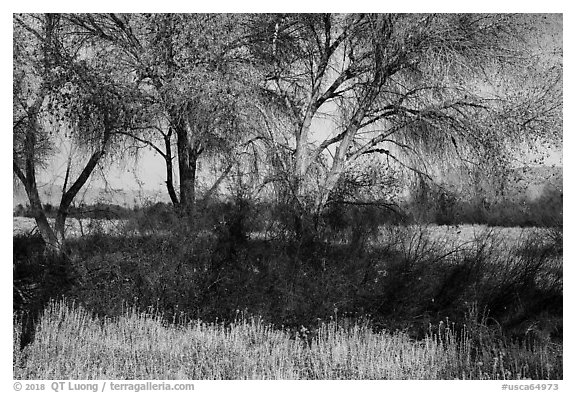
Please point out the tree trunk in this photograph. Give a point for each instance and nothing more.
(60, 227)
(52, 242)
(69, 195)
(338, 163)
(301, 154)
(53, 237)
(42, 223)
(27, 175)
(187, 160)
(169, 171)
(217, 183)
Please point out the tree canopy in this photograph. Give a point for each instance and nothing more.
(311, 98)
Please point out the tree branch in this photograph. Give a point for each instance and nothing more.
(217, 182)
(141, 140)
(16, 169)
(387, 153)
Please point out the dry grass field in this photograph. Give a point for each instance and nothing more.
(451, 235)
(74, 227)
(72, 344)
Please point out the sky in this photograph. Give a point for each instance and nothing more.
(150, 173)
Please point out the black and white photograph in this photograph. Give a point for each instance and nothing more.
(287, 196)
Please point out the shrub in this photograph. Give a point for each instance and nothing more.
(37, 278)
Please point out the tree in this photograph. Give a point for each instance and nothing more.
(183, 65)
(61, 88)
(409, 87)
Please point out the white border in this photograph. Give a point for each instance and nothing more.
(300, 6)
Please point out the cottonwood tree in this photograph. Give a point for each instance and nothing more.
(183, 64)
(62, 89)
(407, 86)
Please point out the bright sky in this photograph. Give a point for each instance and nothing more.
(150, 173)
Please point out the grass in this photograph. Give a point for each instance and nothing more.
(71, 343)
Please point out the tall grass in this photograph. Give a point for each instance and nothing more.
(70, 343)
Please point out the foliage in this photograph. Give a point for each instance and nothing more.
(444, 207)
(192, 89)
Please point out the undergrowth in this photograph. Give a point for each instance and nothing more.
(485, 307)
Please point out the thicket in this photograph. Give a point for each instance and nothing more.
(444, 207)
(95, 211)
(231, 258)
(441, 207)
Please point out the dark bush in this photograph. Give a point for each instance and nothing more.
(433, 204)
(38, 276)
(399, 277)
